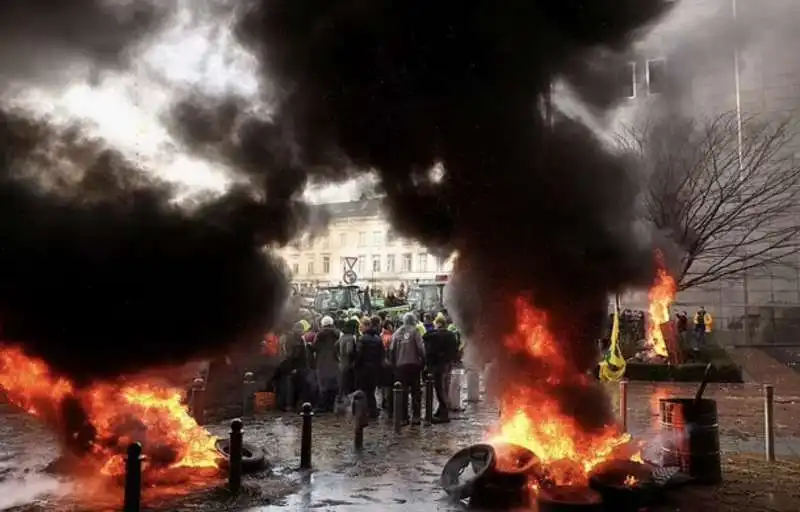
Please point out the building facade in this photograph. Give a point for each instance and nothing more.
(359, 232)
(709, 57)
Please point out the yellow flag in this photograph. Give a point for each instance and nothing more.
(613, 367)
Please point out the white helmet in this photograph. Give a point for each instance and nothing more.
(326, 321)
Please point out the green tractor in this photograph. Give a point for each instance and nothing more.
(428, 297)
(339, 301)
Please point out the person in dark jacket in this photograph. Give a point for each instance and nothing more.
(324, 347)
(369, 363)
(427, 322)
(296, 365)
(441, 351)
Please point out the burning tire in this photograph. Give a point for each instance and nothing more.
(253, 458)
(480, 458)
(508, 482)
(625, 485)
(569, 499)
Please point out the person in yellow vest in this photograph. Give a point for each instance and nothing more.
(702, 326)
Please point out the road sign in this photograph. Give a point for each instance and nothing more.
(349, 277)
(350, 262)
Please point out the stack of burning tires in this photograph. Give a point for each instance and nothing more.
(508, 476)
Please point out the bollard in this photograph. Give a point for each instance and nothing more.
(359, 419)
(429, 398)
(399, 413)
(456, 383)
(769, 423)
(623, 404)
(235, 457)
(197, 400)
(305, 437)
(249, 386)
(133, 478)
(473, 386)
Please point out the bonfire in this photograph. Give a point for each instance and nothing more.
(98, 422)
(532, 417)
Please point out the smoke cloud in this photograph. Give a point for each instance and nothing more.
(533, 209)
(101, 271)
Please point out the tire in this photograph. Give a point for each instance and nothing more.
(480, 457)
(253, 458)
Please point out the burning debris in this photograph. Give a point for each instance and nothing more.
(97, 423)
(661, 345)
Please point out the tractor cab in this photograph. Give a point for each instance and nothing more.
(428, 297)
(334, 299)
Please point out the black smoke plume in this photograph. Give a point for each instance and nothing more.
(101, 271)
(397, 87)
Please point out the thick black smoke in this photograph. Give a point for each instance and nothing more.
(397, 87)
(101, 272)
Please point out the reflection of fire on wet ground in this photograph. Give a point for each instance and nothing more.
(97, 423)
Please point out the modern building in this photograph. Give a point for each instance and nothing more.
(358, 232)
(710, 57)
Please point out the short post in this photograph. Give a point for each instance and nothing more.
(305, 437)
(429, 398)
(235, 457)
(249, 386)
(133, 478)
(359, 420)
(623, 404)
(473, 386)
(397, 400)
(769, 423)
(197, 400)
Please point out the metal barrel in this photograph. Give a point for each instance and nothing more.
(691, 437)
(473, 385)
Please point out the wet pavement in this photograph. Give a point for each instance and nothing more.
(392, 472)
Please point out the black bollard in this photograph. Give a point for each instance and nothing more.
(398, 402)
(249, 387)
(197, 400)
(133, 478)
(235, 457)
(429, 398)
(305, 437)
(359, 419)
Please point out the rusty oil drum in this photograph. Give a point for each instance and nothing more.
(691, 438)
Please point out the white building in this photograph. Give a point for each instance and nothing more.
(358, 229)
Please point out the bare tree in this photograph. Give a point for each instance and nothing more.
(726, 193)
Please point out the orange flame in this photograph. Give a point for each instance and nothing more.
(120, 413)
(531, 418)
(660, 297)
(631, 481)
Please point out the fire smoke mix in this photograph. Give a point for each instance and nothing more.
(100, 272)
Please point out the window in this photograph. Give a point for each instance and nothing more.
(295, 268)
(362, 239)
(326, 242)
(326, 264)
(438, 263)
(377, 238)
(361, 263)
(656, 76)
(423, 263)
(627, 80)
(376, 263)
(406, 263)
(310, 267)
(342, 264)
(307, 243)
(342, 239)
(390, 263)
(391, 237)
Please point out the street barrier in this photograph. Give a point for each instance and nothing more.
(305, 437)
(429, 398)
(235, 457)
(133, 479)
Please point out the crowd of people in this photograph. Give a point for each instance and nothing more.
(323, 361)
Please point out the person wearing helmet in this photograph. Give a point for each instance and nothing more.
(324, 348)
